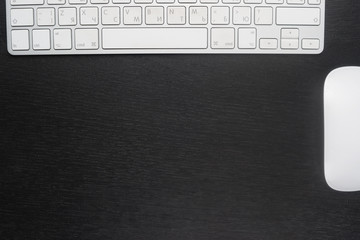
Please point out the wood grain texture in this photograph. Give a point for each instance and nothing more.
(180, 147)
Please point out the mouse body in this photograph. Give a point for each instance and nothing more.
(342, 129)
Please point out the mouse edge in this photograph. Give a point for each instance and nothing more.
(328, 178)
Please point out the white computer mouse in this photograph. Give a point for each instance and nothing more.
(342, 129)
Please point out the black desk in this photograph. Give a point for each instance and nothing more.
(180, 147)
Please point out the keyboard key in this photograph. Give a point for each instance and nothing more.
(253, 1)
(242, 15)
(41, 39)
(314, 2)
(299, 2)
(99, 1)
(132, 15)
(290, 33)
(77, 1)
(56, 2)
(165, 1)
(20, 40)
(310, 44)
(298, 16)
(263, 15)
(154, 15)
(155, 38)
(22, 17)
(268, 43)
(274, 1)
(26, 2)
(176, 15)
(289, 43)
(67, 16)
(46, 16)
(231, 1)
(86, 39)
(222, 38)
(198, 15)
(62, 39)
(247, 38)
(220, 15)
(110, 15)
(187, 1)
(209, 1)
(143, 1)
(121, 1)
(89, 16)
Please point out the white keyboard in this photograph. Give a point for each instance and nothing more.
(49, 27)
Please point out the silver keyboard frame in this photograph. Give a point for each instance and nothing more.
(305, 32)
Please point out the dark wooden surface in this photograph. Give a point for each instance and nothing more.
(180, 147)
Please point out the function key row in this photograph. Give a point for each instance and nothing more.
(62, 2)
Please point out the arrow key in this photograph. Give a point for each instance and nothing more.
(289, 43)
(311, 44)
(268, 43)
